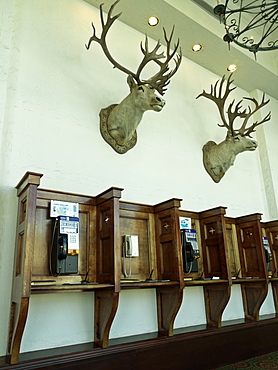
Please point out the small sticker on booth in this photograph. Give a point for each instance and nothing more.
(185, 223)
(58, 208)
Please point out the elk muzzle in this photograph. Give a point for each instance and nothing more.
(157, 103)
(253, 145)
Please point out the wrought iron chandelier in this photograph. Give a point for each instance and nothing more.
(250, 24)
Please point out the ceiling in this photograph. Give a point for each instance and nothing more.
(195, 22)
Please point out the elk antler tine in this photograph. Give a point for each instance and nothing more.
(168, 42)
(201, 94)
(264, 97)
(112, 7)
(102, 39)
(92, 38)
(221, 85)
(146, 45)
(171, 35)
(110, 19)
(110, 11)
(230, 76)
(175, 49)
(247, 131)
(157, 46)
(101, 14)
(215, 88)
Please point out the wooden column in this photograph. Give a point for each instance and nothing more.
(271, 229)
(169, 300)
(215, 255)
(106, 304)
(274, 286)
(253, 296)
(108, 255)
(169, 264)
(217, 296)
(253, 264)
(26, 222)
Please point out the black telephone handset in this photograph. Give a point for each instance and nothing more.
(267, 255)
(62, 247)
(189, 252)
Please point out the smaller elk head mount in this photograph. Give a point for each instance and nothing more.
(218, 158)
(118, 122)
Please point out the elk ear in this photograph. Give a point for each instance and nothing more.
(131, 82)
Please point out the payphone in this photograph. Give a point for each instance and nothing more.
(190, 250)
(65, 238)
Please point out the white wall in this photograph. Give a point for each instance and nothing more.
(268, 304)
(192, 311)
(135, 307)
(48, 324)
(234, 309)
(54, 89)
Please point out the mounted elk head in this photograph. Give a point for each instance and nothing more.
(218, 158)
(118, 122)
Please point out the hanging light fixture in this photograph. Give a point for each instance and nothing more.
(250, 24)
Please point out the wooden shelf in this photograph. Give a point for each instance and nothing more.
(205, 282)
(145, 284)
(247, 280)
(70, 287)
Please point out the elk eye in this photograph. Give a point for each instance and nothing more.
(236, 138)
(141, 88)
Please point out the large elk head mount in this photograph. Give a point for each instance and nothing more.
(218, 158)
(118, 122)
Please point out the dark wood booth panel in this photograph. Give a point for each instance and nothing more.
(271, 232)
(213, 268)
(26, 223)
(97, 260)
(216, 267)
(271, 228)
(169, 264)
(159, 264)
(213, 233)
(138, 219)
(254, 275)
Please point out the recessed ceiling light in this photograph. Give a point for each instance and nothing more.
(231, 68)
(196, 48)
(153, 21)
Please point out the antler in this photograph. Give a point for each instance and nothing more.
(220, 100)
(160, 79)
(243, 131)
(232, 115)
(102, 39)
